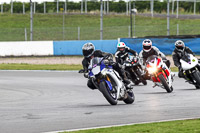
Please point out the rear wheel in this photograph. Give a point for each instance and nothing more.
(144, 81)
(165, 84)
(110, 95)
(130, 97)
(139, 73)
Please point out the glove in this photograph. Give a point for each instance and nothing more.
(86, 75)
(81, 71)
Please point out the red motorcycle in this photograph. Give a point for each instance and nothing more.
(160, 74)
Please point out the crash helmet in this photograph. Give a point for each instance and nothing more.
(147, 45)
(121, 46)
(88, 49)
(180, 46)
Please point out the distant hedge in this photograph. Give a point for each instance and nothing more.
(94, 5)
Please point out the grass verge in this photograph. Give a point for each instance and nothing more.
(39, 67)
(13, 66)
(50, 26)
(180, 126)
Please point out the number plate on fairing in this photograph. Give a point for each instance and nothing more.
(96, 70)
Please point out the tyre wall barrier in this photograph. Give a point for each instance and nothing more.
(75, 47)
(165, 45)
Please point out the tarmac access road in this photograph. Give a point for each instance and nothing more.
(45, 101)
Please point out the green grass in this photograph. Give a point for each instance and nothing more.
(183, 126)
(49, 26)
(14, 66)
(39, 67)
(174, 69)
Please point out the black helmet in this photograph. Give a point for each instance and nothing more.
(88, 49)
(180, 46)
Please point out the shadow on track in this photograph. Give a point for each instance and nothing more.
(156, 93)
(188, 89)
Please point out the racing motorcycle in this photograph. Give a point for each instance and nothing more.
(160, 74)
(135, 72)
(108, 81)
(190, 65)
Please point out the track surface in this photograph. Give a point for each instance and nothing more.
(42, 101)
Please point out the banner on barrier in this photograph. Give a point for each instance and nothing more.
(75, 47)
(165, 45)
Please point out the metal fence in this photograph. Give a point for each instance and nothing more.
(93, 33)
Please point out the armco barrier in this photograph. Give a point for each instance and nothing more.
(165, 45)
(75, 47)
(26, 48)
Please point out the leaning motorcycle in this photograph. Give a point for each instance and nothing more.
(190, 65)
(133, 67)
(160, 74)
(108, 81)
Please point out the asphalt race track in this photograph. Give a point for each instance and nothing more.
(44, 101)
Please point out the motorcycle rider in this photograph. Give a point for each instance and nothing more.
(121, 55)
(123, 52)
(89, 52)
(149, 50)
(179, 51)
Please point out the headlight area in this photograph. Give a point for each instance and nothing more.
(152, 70)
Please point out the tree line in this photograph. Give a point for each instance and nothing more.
(118, 7)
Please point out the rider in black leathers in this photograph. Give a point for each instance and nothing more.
(89, 52)
(179, 51)
(122, 53)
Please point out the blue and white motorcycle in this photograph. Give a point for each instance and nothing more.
(108, 81)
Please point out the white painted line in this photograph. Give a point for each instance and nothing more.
(39, 71)
(121, 125)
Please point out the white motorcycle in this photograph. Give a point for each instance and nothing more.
(190, 65)
(108, 81)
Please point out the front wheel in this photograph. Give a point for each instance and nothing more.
(165, 84)
(196, 76)
(130, 97)
(110, 95)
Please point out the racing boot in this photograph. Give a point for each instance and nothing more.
(128, 83)
(172, 76)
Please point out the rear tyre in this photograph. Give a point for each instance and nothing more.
(144, 82)
(139, 73)
(165, 84)
(197, 87)
(111, 97)
(130, 97)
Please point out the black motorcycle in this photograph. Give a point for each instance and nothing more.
(134, 69)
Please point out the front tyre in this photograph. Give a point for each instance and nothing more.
(111, 97)
(130, 97)
(165, 84)
(196, 76)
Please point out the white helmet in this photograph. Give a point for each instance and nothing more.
(121, 47)
(88, 49)
(180, 46)
(147, 45)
